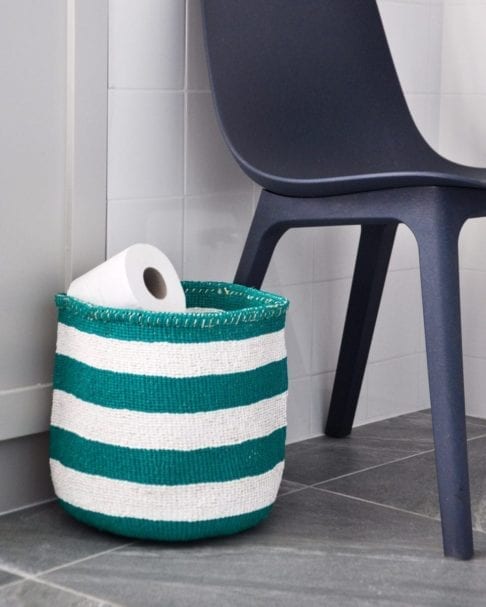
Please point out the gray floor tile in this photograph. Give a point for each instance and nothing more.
(414, 427)
(39, 538)
(477, 420)
(288, 486)
(315, 549)
(322, 458)
(471, 423)
(7, 578)
(34, 594)
(411, 484)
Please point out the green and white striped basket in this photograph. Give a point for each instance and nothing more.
(171, 426)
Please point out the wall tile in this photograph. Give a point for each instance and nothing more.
(397, 327)
(475, 385)
(215, 229)
(322, 386)
(423, 381)
(436, 20)
(464, 48)
(197, 71)
(462, 135)
(293, 259)
(146, 44)
(156, 221)
(298, 332)
(298, 409)
(145, 144)
(407, 28)
(210, 166)
(473, 296)
(330, 300)
(425, 110)
(336, 248)
(393, 387)
(405, 250)
(472, 245)
(335, 252)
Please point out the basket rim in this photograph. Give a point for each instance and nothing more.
(262, 305)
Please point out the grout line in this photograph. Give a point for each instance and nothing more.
(14, 571)
(13, 582)
(294, 491)
(92, 597)
(365, 501)
(185, 139)
(388, 506)
(471, 269)
(476, 437)
(475, 356)
(146, 89)
(25, 389)
(85, 558)
(33, 505)
(393, 461)
(370, 363)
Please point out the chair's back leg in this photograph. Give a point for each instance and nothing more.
(375, 247)
(439, 268)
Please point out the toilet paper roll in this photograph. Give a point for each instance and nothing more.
(140, 277)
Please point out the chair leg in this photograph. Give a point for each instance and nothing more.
(375, 247)
(438, 247)
(262, 239)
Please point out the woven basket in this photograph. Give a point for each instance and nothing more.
(171, 426)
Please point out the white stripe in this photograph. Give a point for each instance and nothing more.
(180, 431)
(170, 359)
(195, 502)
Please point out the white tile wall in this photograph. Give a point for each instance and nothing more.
(215, 228)
(398, 328)
(299, 409)
(393, 386)
(463, 69)
(143, 51)
(197, 73)
(210, 168)
(168, 167)
(299, 328)
(462, 138)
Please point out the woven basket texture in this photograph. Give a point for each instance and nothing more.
(171, 426)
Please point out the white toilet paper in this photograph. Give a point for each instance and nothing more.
(140, 277)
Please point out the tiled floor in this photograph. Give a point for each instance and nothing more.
(355, 524)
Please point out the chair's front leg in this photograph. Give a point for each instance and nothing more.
(265, 232)
(439, 268)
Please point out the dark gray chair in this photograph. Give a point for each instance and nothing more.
(311, 107)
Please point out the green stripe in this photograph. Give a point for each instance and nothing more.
(173, 334)
(168, 467)
(171, 531)
(166, 394)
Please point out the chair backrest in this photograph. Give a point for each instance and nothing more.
(307, 89)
